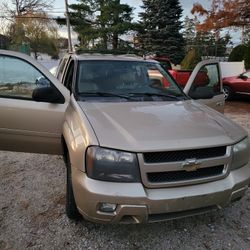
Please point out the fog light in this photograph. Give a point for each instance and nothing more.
(107, 207)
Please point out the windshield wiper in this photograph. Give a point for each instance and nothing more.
(155, 94)
(105, 94)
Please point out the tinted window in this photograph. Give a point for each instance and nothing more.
(18, 78)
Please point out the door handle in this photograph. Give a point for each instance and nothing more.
(219, 103)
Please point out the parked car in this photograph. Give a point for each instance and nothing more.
(135, 151)
(181, 76)
(236, 85)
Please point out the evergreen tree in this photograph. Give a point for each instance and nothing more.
(82, 19)
(247, 56)
(246, 34)
(202, 44)
(221, 44)
(160, 29)
(109, 19)
(240, 53)
(237, 54)
(114, 19)
(209, 44)
(189, 33)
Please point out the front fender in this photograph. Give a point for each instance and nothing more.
(78, 135)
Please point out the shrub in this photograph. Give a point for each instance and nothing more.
(237, 54)
(191, 59)
(247, 56)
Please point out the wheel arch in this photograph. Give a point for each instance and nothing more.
(230, 91)
(226, 84)
(64, 149)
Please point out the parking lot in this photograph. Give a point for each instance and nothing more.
(32, 196)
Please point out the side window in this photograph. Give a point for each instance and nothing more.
(18, 78)
(68, 80)
(207, 79)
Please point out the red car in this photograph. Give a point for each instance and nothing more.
(236, 84)
(181, 76)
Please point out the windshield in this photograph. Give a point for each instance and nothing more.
(127, 80)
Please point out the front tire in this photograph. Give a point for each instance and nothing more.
(71, 208)
(228, 93)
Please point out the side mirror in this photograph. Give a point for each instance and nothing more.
(242, 76)
(48, 94)
(202, 92)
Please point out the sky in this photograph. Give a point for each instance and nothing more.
(59, 6)
(186, 4)
(59, 9)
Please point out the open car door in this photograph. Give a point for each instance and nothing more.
(32, 105)
(205, 85)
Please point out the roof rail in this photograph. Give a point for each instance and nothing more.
(131, 53)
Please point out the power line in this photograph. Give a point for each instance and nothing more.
(47, 11)
(32, 17)
(55, 8)
(50, 12)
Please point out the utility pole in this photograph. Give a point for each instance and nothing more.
(70, 47)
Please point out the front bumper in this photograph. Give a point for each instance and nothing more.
(137, 204)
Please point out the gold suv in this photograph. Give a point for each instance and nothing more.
(136, 146)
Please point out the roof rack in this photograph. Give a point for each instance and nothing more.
(118, 52)
(129, 55)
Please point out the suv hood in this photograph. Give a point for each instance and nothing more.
(156, 126)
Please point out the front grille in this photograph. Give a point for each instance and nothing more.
(173, 156)
(175, 176)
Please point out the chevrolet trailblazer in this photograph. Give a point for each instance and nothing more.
(137, 147)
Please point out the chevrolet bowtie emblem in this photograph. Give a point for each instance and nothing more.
(191, 165)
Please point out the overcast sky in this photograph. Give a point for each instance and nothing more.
(59, 9)
(186, 4)
(59, 5)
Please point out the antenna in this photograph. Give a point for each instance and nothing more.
(68, 27)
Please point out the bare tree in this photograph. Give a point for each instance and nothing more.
(36, 30)
(30, 24)
(22, 7)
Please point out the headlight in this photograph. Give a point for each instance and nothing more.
(112, 165)
(241, 153)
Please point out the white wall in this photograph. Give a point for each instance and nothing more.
(231, 68)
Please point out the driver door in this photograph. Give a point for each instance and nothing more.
(205, 85)
(27, 125)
